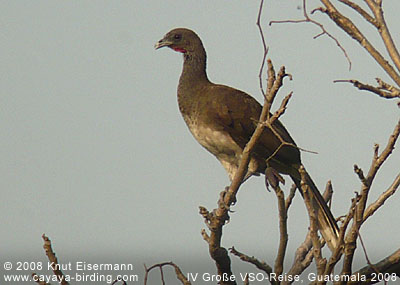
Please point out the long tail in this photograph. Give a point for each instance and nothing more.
(326, 222)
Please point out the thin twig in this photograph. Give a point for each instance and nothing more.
(51, 255)
(307, 19)
(289, 199)
(262, 265)
(336, 255)
(365, 251)
(283, 238)
(320, 262)
(119, 280)
(304, 255)
(373, 207)
(36, 278)
(178, 272)
(395, 93)
(377, 161)
(390, 264)
(351, 29)
(384, 32)
(362, 12)
(265, 48)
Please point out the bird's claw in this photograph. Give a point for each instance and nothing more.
(222, 203)
(273, 178)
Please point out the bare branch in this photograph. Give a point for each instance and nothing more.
(304, 255)
(358, 211)
(178, 272)
(365, 251)
(283, 238)
(51, 255)
(336, 255)
(264, 47)
(361, 11)
(393, 93)
(390, 264)
(303, 258)
(377, 161)
(351, 29)
(262, 265)
(290, 197)
(36, 278)
(271, 77)
(382, 198)
(119, 280)
(360, 174)
(385, 86)
(383, 30)
(307, 19)
(320, 262)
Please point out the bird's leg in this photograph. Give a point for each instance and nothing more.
(248, 175)
(225, 191)
(221, 201)
(272, 177)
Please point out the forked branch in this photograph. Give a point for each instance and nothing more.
(181, 277)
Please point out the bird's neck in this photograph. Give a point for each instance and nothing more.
(191, 84)
(194, 69)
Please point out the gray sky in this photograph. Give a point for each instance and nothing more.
(95, 154)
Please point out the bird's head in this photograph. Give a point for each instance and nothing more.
(180, 40)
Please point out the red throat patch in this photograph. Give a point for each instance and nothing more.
(178, 49)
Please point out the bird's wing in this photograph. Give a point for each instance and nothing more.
(238, 114)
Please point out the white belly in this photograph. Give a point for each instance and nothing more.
(222, 146)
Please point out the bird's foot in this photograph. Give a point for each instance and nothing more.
(272, 177)
(221, 201)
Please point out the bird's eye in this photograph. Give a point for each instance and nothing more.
(177, 36)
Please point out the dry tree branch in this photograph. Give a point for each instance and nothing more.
(361, 11)
(246, 280)
(378, 21)
(304, 255)
(357, 211)
(377, 161)
(178, 272)
(283, 206)
(351, 29)
(320, 261)
(337, 254)
(372, 208)
(365, 252)
(384, 32)
(51, 255)
(265, 48)
(380, 90)
(303, 258)
(290, 197)
(119, 280)
(262, 265)
(385, 86)
(307, 19)
(36, 278)
(283, 232)
(390, 264)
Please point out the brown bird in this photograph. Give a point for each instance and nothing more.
(222, 119)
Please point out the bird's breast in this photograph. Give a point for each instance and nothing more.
(222, 146)
(215, 141)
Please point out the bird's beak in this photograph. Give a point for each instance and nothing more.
(162, 43)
